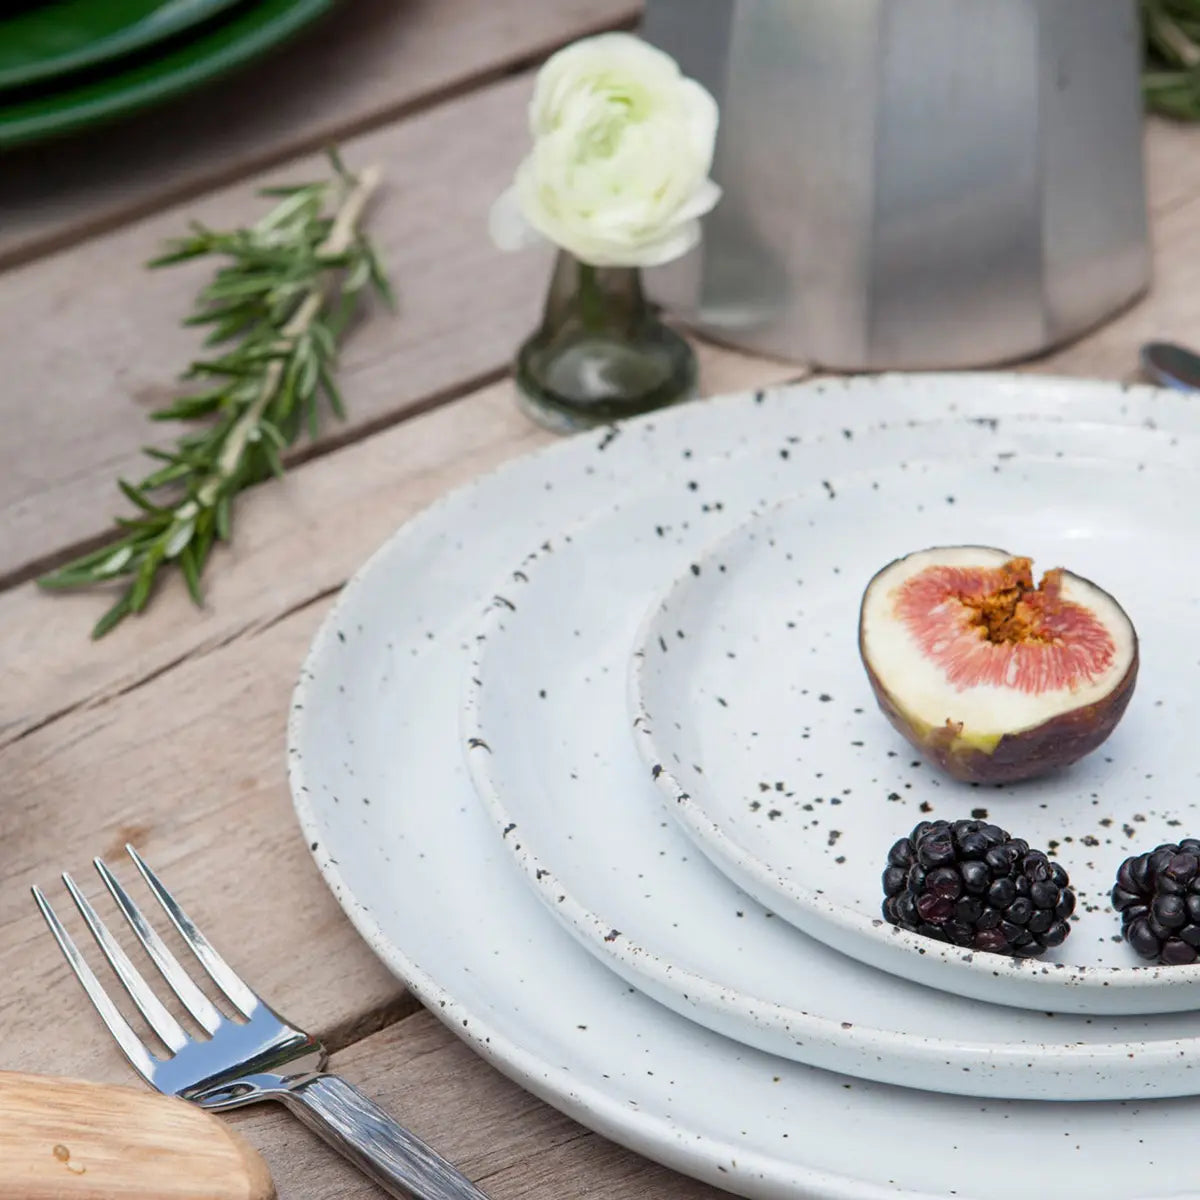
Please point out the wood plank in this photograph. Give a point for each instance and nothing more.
(188, 746)
(368, 62)
(1170, 311)
(1172, 164)
(100, 340)
(96, 356)
(510, 1143)
(91, 351)
(190, 769)
(292, 543)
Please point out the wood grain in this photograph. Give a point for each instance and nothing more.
(94, 357)
(293, 543)
(176, 742)
(170, 733)
(190, 769)
(1170, 311)
(367, 63)
(1171, 163)
(100, 341)
(67, 1139)
(510, 1143)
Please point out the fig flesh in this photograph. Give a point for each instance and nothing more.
(989, 677)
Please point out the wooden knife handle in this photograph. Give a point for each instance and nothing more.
(64, 1139)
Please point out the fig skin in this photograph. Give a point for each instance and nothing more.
(1037, 750)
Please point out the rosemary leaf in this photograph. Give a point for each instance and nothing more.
(112, 618)
(284, 291)
(1171, 57)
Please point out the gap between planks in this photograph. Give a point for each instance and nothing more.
(502, 1137)
(178, 735)
(406, 56)
(96, 358)
(293, 543)
(50, 672)
(335, 438)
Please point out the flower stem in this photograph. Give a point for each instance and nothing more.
(591, 299)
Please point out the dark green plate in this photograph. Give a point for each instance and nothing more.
(246, 33)
(47, 40)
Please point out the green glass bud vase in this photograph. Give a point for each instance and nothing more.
(601, 353)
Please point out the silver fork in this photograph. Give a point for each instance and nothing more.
(262, 1057)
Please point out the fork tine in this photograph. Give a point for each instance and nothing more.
(221, 973)
(169, 1030)
(192, 998)
(142, 1060)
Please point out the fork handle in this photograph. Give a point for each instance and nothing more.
(394, 1158)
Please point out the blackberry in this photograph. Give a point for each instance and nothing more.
(974, 884)
(1158, 897)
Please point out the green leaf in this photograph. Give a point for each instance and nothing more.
(273, 433)
(323, 341)
(189, 408)
(284, 402)
(331, 390)
(287, 189)
(83, 569)
(166, 475)
(191, 575)
(306, 384)
(335, 161)
(223, 518)
(271, 454)
(379, 277)
(112, 618)
(304, 203)
(232, 325)
(203, 541)
(238, 287)
(358, 276)
(183, 249)
(135, 497)
(268, 377)
(115, 563)
(66, 579)
(139, 593)
(227, 369)
(178, 537)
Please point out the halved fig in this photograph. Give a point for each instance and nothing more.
(989, 677)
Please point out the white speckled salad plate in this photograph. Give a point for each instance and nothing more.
(551, 752)
(755, 716)
(385, 802)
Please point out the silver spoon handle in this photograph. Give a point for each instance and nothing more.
(394, 1158)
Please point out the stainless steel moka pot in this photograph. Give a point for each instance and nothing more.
(912, 183)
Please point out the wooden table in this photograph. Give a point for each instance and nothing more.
(169, 733)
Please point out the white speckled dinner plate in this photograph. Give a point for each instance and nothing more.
(756, 718)
(419, 870)
(549, 748)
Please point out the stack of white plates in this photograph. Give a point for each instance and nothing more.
(587, 754)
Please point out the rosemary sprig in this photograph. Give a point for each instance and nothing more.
(1171, 57)
(279, 302)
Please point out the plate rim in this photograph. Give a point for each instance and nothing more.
(730, 855)
(635, 960)
(140, 87)
(597, 1108)
(145, 31)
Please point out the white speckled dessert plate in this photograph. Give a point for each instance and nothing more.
(421, 875)
(755, 716)
(549, 748)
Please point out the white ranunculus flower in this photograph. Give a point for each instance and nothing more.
(622, 147)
